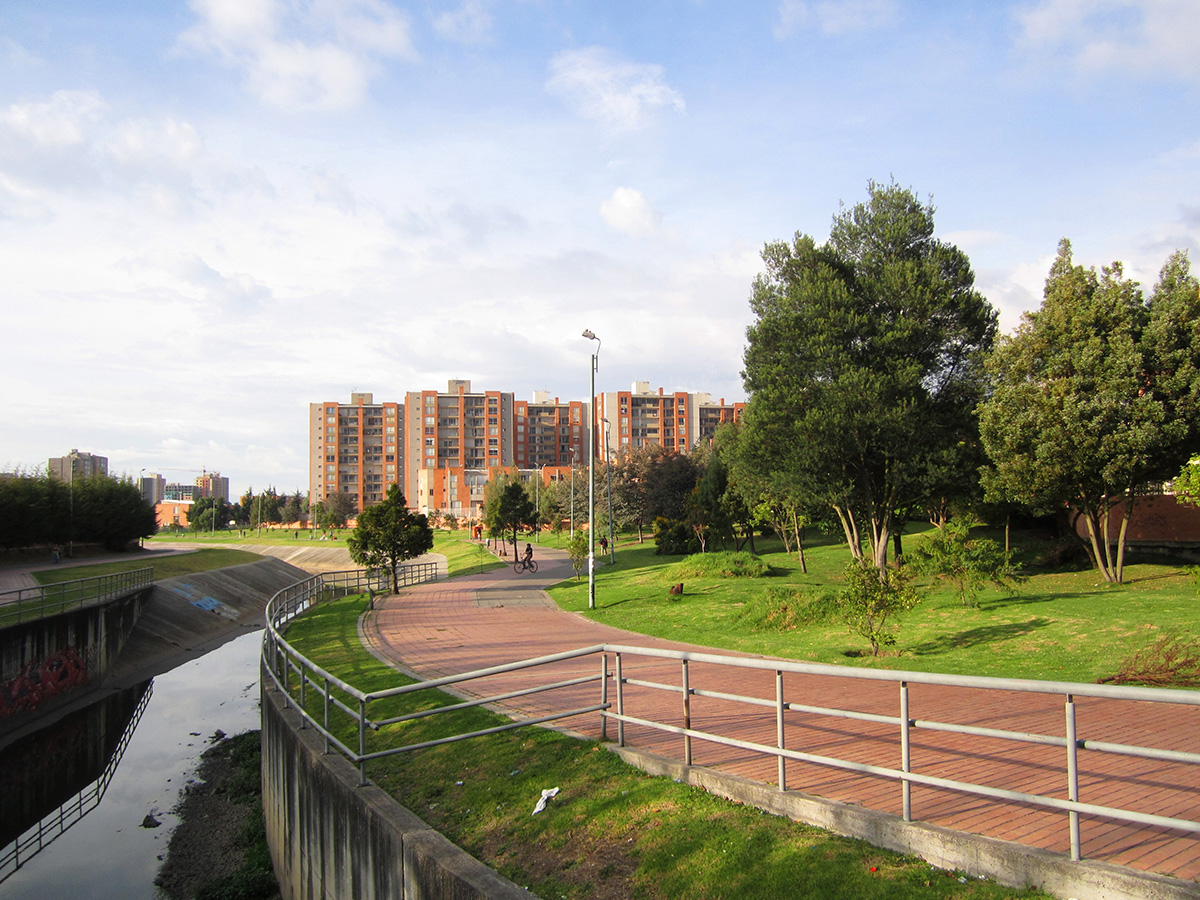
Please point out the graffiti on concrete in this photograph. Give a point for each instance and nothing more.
(40, 680)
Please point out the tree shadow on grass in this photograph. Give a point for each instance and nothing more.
(1030, 599)
(973, 637)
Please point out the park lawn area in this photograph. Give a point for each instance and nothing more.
(164, 566)
(463, 556)
(1061, 626)
(612, 831)
(282, 537)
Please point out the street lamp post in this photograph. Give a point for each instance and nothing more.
(592, 473)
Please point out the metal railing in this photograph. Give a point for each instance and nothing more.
(906, 724)
(35, 839)
(26, 604)
(285, 664)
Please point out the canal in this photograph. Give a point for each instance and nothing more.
(75, 795)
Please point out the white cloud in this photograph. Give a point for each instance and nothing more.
(469, 24)
(58, 122)
(835, 17)
(600, 86)
(1140, 37)
(629, 211)
(302, 54)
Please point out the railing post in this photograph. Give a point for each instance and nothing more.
(905, 752)
(620, 703)
(1073, 777)
(604, 696)
(687, 716)
(779, 728)
(362, 741)
(325, 729)
(303, 685)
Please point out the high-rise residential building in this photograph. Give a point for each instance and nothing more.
(442, 447)
(180, 493)
(548, 433)
(642, 417)
(76, 465)
(153, 488)
(212, 484)
(355, 448)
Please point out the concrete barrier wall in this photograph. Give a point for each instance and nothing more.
(331, 839)
(48, 662)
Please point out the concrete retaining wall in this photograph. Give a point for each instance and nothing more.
(331, 839)
(47, 662)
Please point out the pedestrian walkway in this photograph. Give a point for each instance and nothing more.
(472, 622)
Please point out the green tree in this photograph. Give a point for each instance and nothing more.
(1095, 397)
(513, 511)
(335, 510)
(951, 553)
(388, 533)
(864, 365)
(873, 598)
(577, 549)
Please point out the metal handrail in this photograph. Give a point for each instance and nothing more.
(283, 661)
(27, 604)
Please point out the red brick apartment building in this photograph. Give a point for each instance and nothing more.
(443, 447)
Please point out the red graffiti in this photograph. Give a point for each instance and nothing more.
(39, 681)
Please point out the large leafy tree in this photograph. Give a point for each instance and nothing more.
(864, 365)
(388, 533)
(513, 511)
(1095, 397)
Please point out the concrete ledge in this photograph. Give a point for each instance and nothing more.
(1008, 863)
(331, 839)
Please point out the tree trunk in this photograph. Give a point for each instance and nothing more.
(850, 527)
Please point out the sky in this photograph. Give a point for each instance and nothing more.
(215, 212)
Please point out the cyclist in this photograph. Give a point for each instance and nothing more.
(528, 556)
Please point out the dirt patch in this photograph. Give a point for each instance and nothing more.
(207, 843)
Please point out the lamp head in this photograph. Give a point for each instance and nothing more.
(587, 333)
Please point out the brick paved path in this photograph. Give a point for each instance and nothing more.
(447, 628)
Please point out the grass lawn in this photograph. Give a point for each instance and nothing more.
(1063, 625)
(612, 831)
(164, 566)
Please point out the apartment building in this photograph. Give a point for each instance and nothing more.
(548, 432)
(212, 484)
(76, 465)
(642, 417)
(450, 434)
(355, 448)
(442, 447)
(153, 488)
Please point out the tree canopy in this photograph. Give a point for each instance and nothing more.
(389, 533)
(1095, 397)
(864, 364)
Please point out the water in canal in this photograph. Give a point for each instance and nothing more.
(92, 779)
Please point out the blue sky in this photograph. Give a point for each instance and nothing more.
(215, 212)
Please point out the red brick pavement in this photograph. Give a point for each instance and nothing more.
(473, 622)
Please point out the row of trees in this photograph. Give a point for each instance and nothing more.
(879, 390)
(39, 511)
(270, 508)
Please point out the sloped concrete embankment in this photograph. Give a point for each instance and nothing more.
(332, 839)
(187, 616)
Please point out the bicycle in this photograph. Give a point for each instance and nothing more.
(522, 565)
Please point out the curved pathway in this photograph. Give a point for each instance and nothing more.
(476, 621)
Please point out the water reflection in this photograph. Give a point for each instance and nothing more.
(106, 853)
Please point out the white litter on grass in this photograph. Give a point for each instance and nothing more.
(541, 804)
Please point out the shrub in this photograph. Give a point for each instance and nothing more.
(673, 537)
(722, 564)
(782, 609)
(872, 598)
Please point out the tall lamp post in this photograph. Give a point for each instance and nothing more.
(587, 333)
(572, 534)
